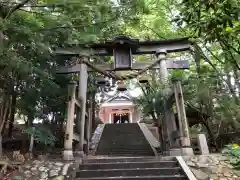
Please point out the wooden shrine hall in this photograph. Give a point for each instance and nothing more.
(119, 109)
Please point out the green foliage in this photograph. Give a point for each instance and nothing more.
(152, 101)
(221, 17)
(153, 24)
(42, 135)
(233, 152)
(29, 36)
(32, 33)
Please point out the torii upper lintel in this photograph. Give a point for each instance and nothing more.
(137, 47)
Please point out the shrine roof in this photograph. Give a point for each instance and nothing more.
(120, 96)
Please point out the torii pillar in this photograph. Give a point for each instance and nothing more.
(168, 121)
(68, 148)
(82, 96)
(182, 119)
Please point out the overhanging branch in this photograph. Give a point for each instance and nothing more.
(199, 50)
(15, 8)
(79, 26)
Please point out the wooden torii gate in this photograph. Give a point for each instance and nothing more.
(123, 49)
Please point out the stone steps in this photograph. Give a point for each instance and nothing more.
(177, 177)
(128, 172)
(130, 168)
(123, 140)
(122, 165)
(120, 159)
(128, 151)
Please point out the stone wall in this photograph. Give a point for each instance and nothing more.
(214, 166)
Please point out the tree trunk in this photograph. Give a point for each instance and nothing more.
(30, 120)
(12, 115)
(26, 138)
(230, 85)
(157, 121)
(7, 120)
(31, 141)
(1, 148)
(237, 79)
(61, 123)
(5, 108)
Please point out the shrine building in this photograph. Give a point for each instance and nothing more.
(119, 109)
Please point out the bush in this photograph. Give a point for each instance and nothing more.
(233, 152)
(42, 134)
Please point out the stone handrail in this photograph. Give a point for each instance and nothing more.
(185, 168)
(96, 137)
(149, 136)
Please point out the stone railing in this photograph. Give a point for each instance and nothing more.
(96, 138)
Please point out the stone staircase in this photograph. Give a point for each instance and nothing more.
(123, 140)
(130, 168)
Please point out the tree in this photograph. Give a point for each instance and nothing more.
(216, 29)
(211, 85)
(30, 32)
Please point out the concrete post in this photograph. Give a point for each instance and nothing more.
(82, 96)
(202, 144)
(68, 152)
(131, 117)
(110, 118)
(134, 115)
(183, 123)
